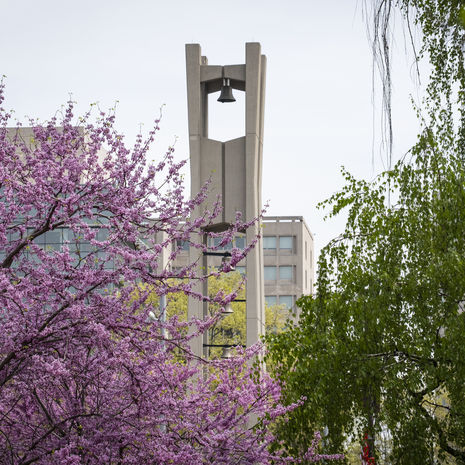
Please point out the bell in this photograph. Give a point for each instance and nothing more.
(226, 260)
(228, 310)
(226, 92)
(227, 353)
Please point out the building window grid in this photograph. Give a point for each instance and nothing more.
(286, 243)
(182, 245)
(241, 270)
(271, 300)
(286, 273)
(269, 243)
(55, 239)
(283, 273)
(270, 273)
(287, 300)
(238, 243)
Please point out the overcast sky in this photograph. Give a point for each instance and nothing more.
(319, 112)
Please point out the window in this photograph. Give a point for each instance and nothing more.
(269, 242)
(241, 270)
(216, 241)
(286, 243)
(270, 273)
(51, 240)
(183, 245)
(240, 242)
(285, 272)
(271, 300)
(102, 234)
(287, 300)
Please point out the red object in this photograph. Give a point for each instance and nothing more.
(367, 459)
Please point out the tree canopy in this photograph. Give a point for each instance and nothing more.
(231, 329)
(86, 376)
(379, 349)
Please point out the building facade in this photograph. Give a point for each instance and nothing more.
(288, 253)
(288, 259)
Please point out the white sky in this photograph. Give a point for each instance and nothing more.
(318, 111)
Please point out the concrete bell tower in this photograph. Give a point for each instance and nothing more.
(234, 167)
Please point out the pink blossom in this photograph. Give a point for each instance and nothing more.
(85, 375)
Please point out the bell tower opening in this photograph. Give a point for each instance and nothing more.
(226, 121)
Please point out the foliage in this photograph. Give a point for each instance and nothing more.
(85, 375)
(440, 27)
(230, 329)
(379, 351)
(382, 341)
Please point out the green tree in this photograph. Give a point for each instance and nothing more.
(379, 349)
(381, 346)
(231, 329)
(382, 341)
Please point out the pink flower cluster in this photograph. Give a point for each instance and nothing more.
(86, 377)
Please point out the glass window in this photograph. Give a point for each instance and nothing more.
(53, 237)
(183, 245)
(287, 300)
(102, 234)
(269, 242)
(50, 240)
(285, 272)
(217, 241)
(271, 300)
(72, 246)
(285, 242)
(270, 273)
(241, 270)
(40, 239)
(240, 243)
(14, 236)
(50, 247)
(85, 246)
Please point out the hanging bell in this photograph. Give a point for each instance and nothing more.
(226, 260)
(227, 353)
(226, 92)
(228, 310)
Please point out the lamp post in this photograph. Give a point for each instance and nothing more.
(162, 317)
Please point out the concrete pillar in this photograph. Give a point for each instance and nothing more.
(234, 167)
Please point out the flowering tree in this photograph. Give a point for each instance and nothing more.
(85, 375)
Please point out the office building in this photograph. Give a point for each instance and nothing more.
(288, 259)
(288, 254)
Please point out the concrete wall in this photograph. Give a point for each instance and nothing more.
(234, 168)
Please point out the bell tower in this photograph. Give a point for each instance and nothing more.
(234, 166)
